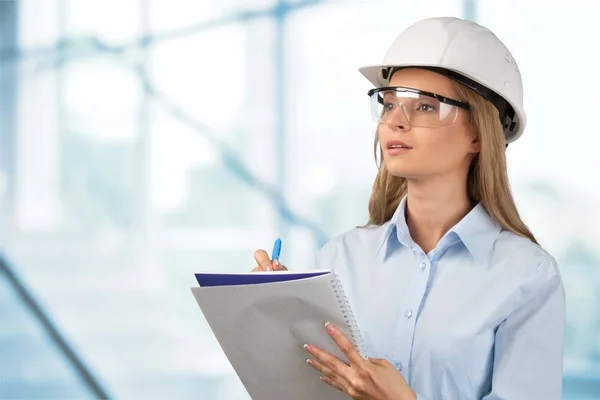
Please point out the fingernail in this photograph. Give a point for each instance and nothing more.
(276, 263)
(267, 266)
(329, 327)
(308, 361)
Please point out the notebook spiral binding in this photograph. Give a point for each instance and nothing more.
(348, 315)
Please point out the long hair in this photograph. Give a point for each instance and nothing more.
(487, 181)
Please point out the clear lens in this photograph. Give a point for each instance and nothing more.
(395, 106)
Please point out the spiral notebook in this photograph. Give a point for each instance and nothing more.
(263, 319)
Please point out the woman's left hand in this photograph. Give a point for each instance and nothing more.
(362, 379)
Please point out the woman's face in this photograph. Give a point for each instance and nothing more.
(425, 152)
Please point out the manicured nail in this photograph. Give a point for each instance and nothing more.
(308, 361)
(276, 264)
(267, 266)
(305, 347)
(329, 327)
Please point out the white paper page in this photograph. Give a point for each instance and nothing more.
(263, 327)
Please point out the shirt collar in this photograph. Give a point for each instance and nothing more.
(398, 225)
(477, 231)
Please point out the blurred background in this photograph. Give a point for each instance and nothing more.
(144, 140)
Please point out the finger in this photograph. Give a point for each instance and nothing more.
(328, 375)
(380, 362)
(333, 383)
(345, 345)
(263, 260)
(322, 368)
(277, 266)
(330, 361)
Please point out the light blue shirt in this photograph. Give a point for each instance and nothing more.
(480, 317)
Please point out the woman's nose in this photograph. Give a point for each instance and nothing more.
(398, 118)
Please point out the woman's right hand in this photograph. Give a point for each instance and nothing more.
(265, 264)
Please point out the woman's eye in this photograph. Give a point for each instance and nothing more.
(426, 108)
(388, 106)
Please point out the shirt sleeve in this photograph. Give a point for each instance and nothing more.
(325, 256)
(529, 344)
(421, 397)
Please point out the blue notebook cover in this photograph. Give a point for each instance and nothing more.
(216, 279)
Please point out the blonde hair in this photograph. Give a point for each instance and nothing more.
(487, 181)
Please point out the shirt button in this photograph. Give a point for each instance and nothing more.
(422, 266)
(399, 366)
(408, 314)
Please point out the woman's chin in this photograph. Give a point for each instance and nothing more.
(399, 174)
(400, 171)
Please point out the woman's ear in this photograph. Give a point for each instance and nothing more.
(475, 145)
(473, 137)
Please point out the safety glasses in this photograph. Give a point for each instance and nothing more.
(419, 108)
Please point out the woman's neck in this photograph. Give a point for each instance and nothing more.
(433, 208)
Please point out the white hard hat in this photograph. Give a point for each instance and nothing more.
(465, 52)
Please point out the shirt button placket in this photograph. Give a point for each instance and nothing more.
(406, 329)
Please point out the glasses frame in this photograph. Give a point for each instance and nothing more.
(443, 99)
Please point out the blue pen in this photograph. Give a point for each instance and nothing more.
(276, 250)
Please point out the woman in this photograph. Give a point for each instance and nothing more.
(454, 297)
